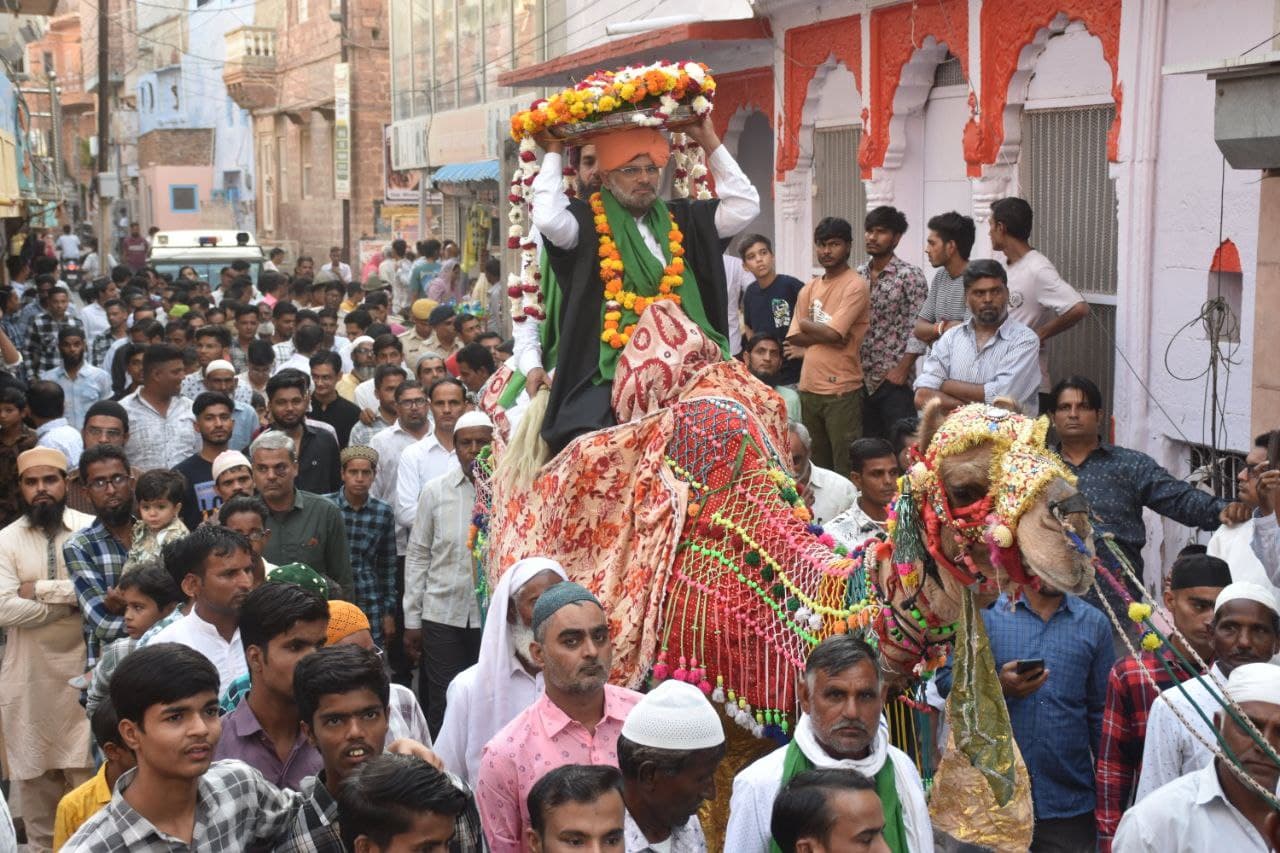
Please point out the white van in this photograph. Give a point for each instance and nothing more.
(206, 251)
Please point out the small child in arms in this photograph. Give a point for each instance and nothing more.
(159, 495)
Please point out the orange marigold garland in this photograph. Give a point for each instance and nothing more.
(618, 300)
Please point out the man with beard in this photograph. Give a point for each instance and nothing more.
(106, 423)
(668, 752)
(441, 613)
(763, 354)
(576, 721)
(214, 568)
(214, 422)
(505, 680)
(287, 402)
(989, 355)
(1246, 627)
(841, 699)
(363, 364)
(96, 554)
(82, 383)
(432, 455)
(46, 731)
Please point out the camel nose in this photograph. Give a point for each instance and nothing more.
(1069, 506)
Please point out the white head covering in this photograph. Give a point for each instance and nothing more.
(497, 659)
(219, 364)
(1247, 591)
(226, 460)
(473, 418)
(675, 716)
(362, 339)
(1255, 682)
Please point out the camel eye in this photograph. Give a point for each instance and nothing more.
(966, 494)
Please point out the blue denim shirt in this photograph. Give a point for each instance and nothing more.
(1058, 728)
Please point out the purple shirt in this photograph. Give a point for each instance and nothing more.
(244, 739)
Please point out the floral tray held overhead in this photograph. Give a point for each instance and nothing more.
(670, 95)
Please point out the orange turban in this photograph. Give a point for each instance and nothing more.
(621, 147)
(344, 620)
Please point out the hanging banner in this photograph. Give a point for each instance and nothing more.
(342, 130)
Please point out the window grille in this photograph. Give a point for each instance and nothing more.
(949, 73)
(1218, 470)
(838, 189)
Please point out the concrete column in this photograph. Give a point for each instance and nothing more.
(1265, 400)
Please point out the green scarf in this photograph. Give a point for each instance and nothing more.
(895, 830)
(642, 273)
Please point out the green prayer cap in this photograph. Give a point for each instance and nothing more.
(558, 596)
(301, 574)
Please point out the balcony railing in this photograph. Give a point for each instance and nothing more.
(251, 46)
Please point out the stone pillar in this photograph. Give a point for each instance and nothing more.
(1265, 400)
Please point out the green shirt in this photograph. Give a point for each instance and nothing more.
(311, 532)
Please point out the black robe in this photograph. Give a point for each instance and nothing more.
(580, 400)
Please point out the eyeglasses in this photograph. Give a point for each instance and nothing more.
(636, 171)
(100, 484)
(256, 536)
(415, 403)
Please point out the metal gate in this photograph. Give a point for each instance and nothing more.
(1065, 177)
(837, 182)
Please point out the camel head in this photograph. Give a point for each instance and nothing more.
(987, 508)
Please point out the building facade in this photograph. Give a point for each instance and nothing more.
(950, 105)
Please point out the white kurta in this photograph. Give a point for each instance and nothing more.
(1189, 815)
(1170, 750)
(461, 740)
(832, 494)
(45, 727)
(756, 787)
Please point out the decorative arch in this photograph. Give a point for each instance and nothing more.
(1011, 43)
(742, 92)
(806, 52)
(907, 43)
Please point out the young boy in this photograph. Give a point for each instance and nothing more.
(150, 595)
(87, 800)
(343, 696)
(166, 697)
(159, 495)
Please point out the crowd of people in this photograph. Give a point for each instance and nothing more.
(240, 607)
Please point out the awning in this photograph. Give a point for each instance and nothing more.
(723, 45)
(467, 173)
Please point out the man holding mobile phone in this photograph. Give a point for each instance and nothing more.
(1053, 653)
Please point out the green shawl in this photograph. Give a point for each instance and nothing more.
(895, 830)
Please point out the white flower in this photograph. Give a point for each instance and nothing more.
(668, 104)
(697, 170)
(701, 105)
(695, 72)
(515, 231)
(527, 144)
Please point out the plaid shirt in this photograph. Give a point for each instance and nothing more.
(16, 330)
(95, 561)
(42, 341)
(1124, 727)
(98, 348)
(235, 806)
(315, 827)
(371, 536)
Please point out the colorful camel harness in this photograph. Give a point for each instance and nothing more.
(1021, 469)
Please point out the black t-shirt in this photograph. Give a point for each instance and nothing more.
(200, 500)
(767, 311)
(341, 414)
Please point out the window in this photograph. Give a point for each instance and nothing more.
(147, 97)
(304, 152)
(184, 198)
(282, 161)
(838, 189)
(1219, 470)
(303, 11)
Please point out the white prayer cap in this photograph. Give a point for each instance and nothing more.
(1247, 591)
(363, 339)
(219, 364)
(1255, 682)
(226, 460)
(523, 571)
(674, 716)
(473, 419)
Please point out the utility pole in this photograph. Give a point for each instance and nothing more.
(351, 135)
(104, 101)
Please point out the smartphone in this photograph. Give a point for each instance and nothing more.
(1029, 666)
(1273, 449)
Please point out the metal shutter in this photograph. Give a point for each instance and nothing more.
(1065, 177)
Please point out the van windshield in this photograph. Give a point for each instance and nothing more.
(208, 271)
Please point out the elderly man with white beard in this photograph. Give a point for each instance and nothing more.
(485, 697)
